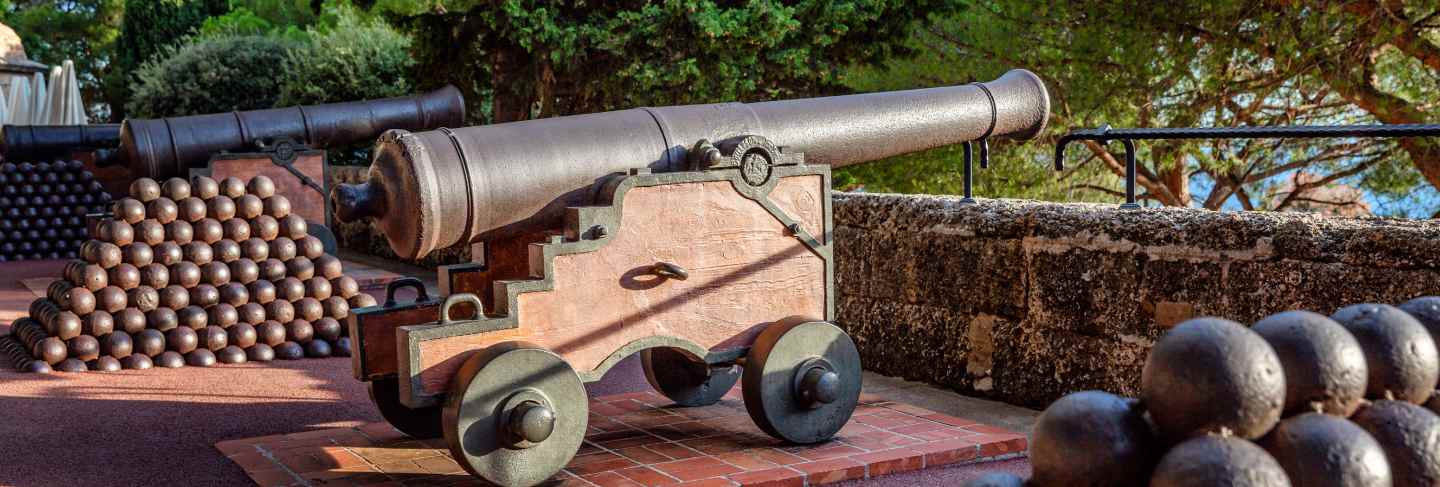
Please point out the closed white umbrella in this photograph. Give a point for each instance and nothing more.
(19, 101)
(4, 108)
(39, 98)
(65, 106)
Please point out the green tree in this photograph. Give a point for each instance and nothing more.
(149, 28)
(211, 75)
(83, 31)
(348, 57)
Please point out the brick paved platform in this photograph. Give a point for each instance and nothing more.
(640, 439)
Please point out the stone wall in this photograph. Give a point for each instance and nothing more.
(1027, 301)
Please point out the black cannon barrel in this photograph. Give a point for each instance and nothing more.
(39, 142)
(166, 147)
(432, 190)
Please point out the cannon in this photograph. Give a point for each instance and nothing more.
(39, 142)
(698, 237)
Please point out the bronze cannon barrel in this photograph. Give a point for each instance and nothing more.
(166, 147)
(36, 142)
(432, 190)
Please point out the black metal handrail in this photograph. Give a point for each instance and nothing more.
(1105, 134)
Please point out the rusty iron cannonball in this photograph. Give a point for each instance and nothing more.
(186, 274)
(80, 300)
(223, 315)
(180, 232)
(318, 288)
(300, 267)
(1092, 438)
(1400, 355)
(344, 286)
(225, 250)
(155, 275)
(149, 342)
(66, 325)
(209, 230)
(244, 271)
(163, 210)
(260, 352)
(174, 297)
(191, 209)
(51, 350)
(105, 254)
(163, 319)
(215, 273)
(168, 253)
(221, 208)
(104, 364)
(213, 338)
(1323, 363)
(299, 331)
(93, 277)
(290, 289)
(200, 358)
(1408, 435)
(170, 360)
(143, 298)
(232, 187)
(204, 187)
(272, 270)
(129, 210)
(71, 365)
(261, 186)
(242, 335)
(198, 252)
(280, 310)
(137, 361)
(317, 349)
(294, 227)
(124, 276)
(309, 309)
(327, 329)
(98, 323)
(138, 254)
(342, 347)
(175, 188)
(151, 232)
(230, 355)
(328, 266)
(84, 347)
(204, 295)
(282, 248)
(1324, 450)
(115, 231)
(235, 229)
(131, 320)
(277, 206)
(362, 300)
(117, 344)
(311, 247)
(251, 313)
(144, 189)
(289, 351)
(192, 317)
(1241, 389)
(270, 332)
(1426, 310)
(255, 249)
(265, 227)
(249, 206)
(182, 340)
(262, 291)
(234, 294)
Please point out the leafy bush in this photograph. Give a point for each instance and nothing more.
(151, 29)
(348, 58)
(210, 75)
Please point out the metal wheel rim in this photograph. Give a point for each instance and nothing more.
(769, 381)
(687, 381)
(420, 423)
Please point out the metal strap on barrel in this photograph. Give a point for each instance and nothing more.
(984, 140)
(464, 169)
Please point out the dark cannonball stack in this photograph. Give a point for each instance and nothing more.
(43, 207)
(190, 273)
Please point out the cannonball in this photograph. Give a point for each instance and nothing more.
(115, 231)
(1425, 310)
(136, 361)
(215, 273)
(230, 355)
(204, 187)
(344, 286)
(234, 293)
(265, 227)
(180, 232)
(200, 358)
(232, 187)
(149, 342)
(328, 266)
(294, 226)
(249, 206)
(138, 254)
(362, 300)
(94, 277)
(117, 344)
(191, 209)
(163, 210)
(290, 289)
(252, 313)
(235, 229)
(242, 335)
(261, 186)
(105, 254)
(1092, 438)
(262, 291)
(255, 249)
(204, 295)
(277, 206)
(299, 331)
(176, 189)
(84, 347)
(104, 364)
(98, 323)
(260, 352)
(71, 365)
(1323, 363)
(997, 479)
(192, 317)
(163, 319)
(282, 248)
(51, 350)
(327, 328)
(225, 250)
(144, 189)
(174, 297)
(213, 338)
(1241, 388)
(209, 230)
(154, 275)
(221, 208)
(289, 351)
(1322, 450)
(272, 270)
(342, 347)
(124, 276)
(308, 309)
(36, 367)
(80, 300)
(301, 268)
(183, 340)
(150, 232)
(244, 271)
(143, 298)
(1399, 353)
(270, 332)
(317, 349)
(168, 254)
(170, 360)
(128, 210)
(66, 325)
(336, 307)
(280, 310)
(198, 252)
(223, 315)
(1410, 436)
(130, 320)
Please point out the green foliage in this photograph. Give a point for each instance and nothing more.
(83, 31)
(348, 58)
(212, 75)
(262, 17)
(150, 28)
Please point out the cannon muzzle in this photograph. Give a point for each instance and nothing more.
(430, 190)
(166, 147)
(38, 142)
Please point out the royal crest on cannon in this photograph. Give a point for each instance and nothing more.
(699, 237)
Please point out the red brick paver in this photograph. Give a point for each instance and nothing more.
(639, 439)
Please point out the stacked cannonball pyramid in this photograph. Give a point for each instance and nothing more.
(1297, 399)
(43, 208)
(191, 273)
